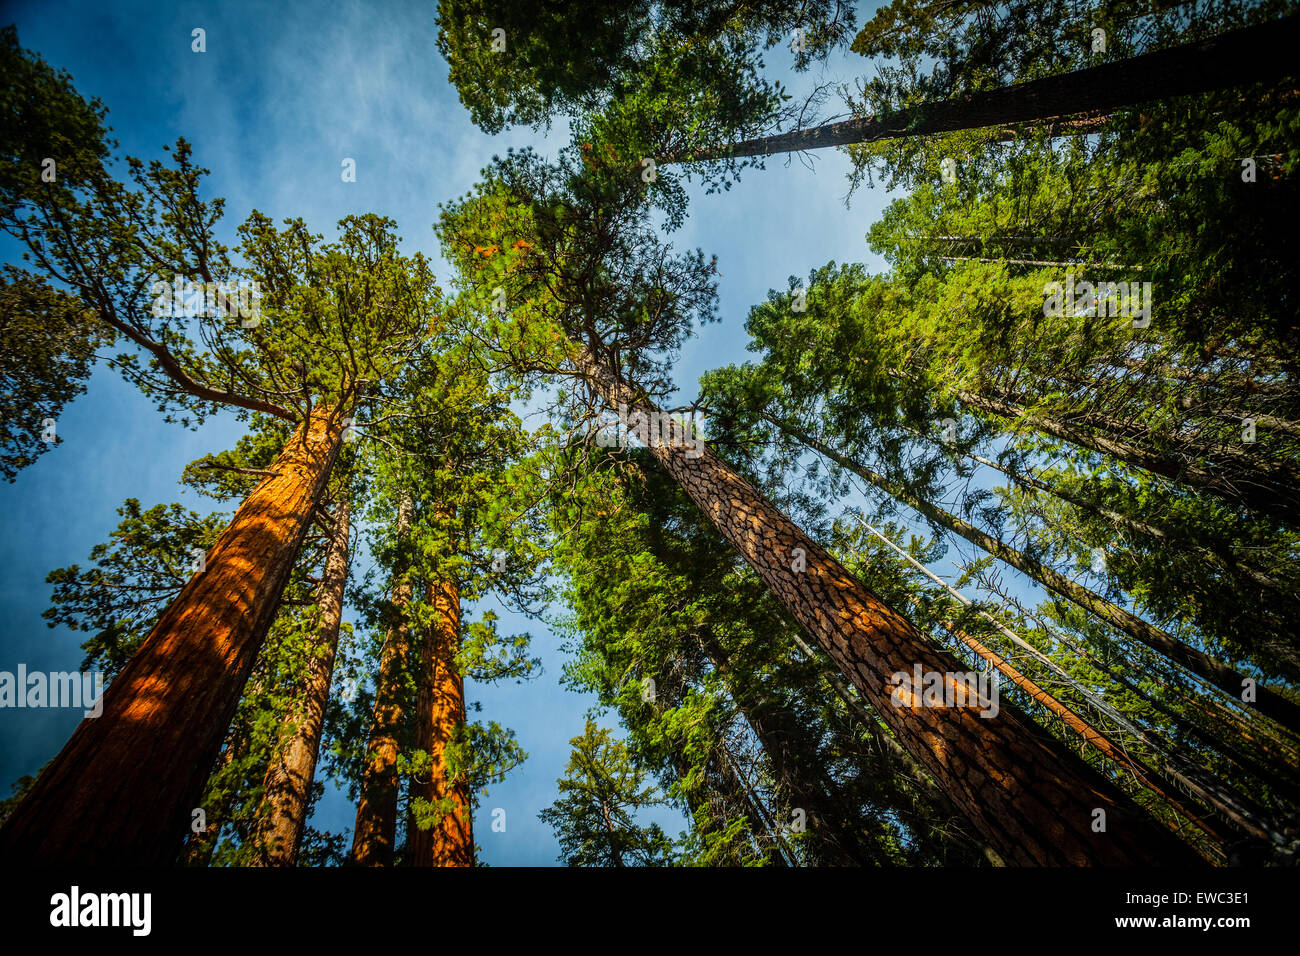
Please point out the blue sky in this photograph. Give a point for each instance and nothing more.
(283, 94)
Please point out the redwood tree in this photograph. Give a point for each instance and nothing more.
(331, 324)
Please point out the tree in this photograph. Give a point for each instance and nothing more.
(1250, 55)
(546, 59)
(894, 368)
(375, 833)
(331, 341)
(580, 267)
(677, 633)
(282, 818)
(601, 792)
(52, 143)
(47, 344)
(119, 599)
(460, 481)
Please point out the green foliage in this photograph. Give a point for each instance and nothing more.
(561, 59)
(601, 793)
(578, 261)
(331, 322)
(149, 557)
(675, 632)
(47, 344)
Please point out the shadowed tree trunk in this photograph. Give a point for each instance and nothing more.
(1033, 800)
(200, 846)
(1255, 54)
(1257, 478)
(439, 712)
(763, 829)
(790, 750)
(1181, 470)
(282, 817)
(1241, 814)
(123, 788)
(723, 795)
(375, 832)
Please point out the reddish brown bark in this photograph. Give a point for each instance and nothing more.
(123, 788)
(1031, 798)
(375, 832)
(440, 711)
(282, 816)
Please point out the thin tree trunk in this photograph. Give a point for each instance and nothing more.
(1271, 629)
(1272, 705)
(789, 750)
(122, 790)
(1255, 54)
(375, 832)
(440, 712)
(1031, 798)
(1175, 469)
(1045, 263)
(1221, 716)
(758, 813)
(613, 836)
(1263, 477)
(716, 788)
(1184, 775)
(282, 817)
(1230, 563)
(1200, 407)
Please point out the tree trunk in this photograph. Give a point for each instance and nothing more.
(1272, 705)
(1175, 469)
(718, 796)
(1256, 478)
(282, 817)
(1228, 563)
(375, 832)
(1220, 716)
(122, 790)
(763, 828)
(790, 751)
(1255, 54)
(610, 832)
(930, 803)
(440, 712)
(1033, 799)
